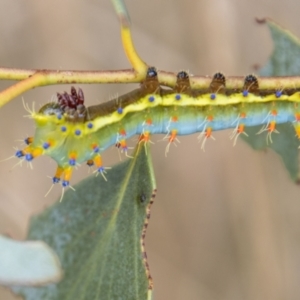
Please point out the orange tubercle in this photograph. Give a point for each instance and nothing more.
(72, 159)
(173, 135)
(242, 115)
(122, 132)
(59, 172)
(98, 161)
(274, 112)
(241, 128)
(67, 173)
(123, 144)
(208, 132)
(297, 117)
(272, 126)
(145, 137)
(174, 119)
(149, 122)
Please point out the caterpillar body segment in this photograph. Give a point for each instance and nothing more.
(72, 133)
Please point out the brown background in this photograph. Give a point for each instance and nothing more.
(225, 223)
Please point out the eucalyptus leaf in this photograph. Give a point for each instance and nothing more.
(285, 58)
(284, 61)
(96, 232)
(27, 263)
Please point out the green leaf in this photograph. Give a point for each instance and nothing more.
(27, 263)
(284, 61)
(96, 232)
(285, 144)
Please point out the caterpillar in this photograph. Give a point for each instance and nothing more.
(71, 133)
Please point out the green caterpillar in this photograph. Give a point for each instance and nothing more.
(71, 133)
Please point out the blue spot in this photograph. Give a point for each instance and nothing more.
(72, 162)
(96, 149)
(46, 145)
(77, 132)
(151, 98)
(120, 110)
(55, 180)
(213, 96)
(245, 93)
(101, 169)
(63, 128)
(59, 116)
(278, 94)
(90, 125)
(65, 183)
(19, 153)
(178, 97)
(29, 157)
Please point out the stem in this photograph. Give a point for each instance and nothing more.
(137, 63)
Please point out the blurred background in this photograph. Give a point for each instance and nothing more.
(226, 222)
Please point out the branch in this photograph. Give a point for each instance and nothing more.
(34, 78)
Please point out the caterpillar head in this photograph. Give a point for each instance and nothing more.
(59, 126)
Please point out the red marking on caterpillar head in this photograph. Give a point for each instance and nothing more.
(72, 100)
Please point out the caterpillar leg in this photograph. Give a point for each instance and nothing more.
(145, 139)
(238, 130)
(124, 148)
(270, 128)
(64, 175)
(28, 154)
(172, 139)
(55, 179)
(204, 135)
(97, 161)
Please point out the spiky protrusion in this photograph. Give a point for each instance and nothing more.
(72, 105)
